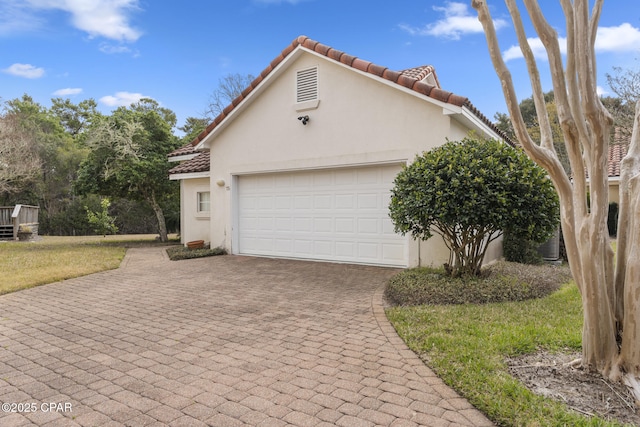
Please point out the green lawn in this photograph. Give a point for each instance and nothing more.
(27, 264)
(466, 345)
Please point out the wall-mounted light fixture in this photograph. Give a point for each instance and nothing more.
(304, 119)
(220, 183)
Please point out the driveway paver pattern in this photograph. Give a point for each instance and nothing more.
(222, 341)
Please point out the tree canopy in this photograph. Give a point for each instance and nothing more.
(128, 157)
(470, 192)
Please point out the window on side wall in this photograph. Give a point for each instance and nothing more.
(204, 202)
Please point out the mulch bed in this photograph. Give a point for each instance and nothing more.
(551, 375)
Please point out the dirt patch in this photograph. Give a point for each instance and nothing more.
(551, 375)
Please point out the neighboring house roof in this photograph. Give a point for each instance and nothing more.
(413, 78)
(200, 163)
(425, 73)
(617, 151)
(186, 150)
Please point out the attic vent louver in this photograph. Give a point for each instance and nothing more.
(307, 85)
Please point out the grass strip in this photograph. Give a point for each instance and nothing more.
(51, 259)
(466, 346)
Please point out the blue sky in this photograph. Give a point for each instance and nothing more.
(116, 51)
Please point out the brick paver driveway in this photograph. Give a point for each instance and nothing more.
(220, 341)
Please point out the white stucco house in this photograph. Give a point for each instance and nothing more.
(301, 164)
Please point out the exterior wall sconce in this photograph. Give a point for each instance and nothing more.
(220, 183)
(304, 119)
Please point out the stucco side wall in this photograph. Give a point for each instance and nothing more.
(194, 225)
(358, 121)
(614, 190)
(458, 132)
(434, 253)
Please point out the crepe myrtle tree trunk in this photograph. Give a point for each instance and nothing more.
(610, 293)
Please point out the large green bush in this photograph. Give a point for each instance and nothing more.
(524, 251)
(470, 192)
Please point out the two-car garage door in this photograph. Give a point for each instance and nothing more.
(327, 214)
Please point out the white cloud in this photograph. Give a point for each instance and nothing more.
(457, 22)
(68, 91)
(539, 52)
(623, 38)
(122, 99)
(98, 18)
(27, 71)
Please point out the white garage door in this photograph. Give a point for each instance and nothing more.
(328, 214)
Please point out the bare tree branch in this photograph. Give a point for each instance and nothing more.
(19, 160)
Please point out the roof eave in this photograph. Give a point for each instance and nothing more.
(468, 117)
(183, 157)
(189, 175)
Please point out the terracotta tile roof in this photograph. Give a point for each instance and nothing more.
(183, 151)
(616, 154)
(420, 73)
(407, 78)
(200, 163)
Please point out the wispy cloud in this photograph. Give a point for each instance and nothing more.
(122, 99)
(16, 18)
(623, 38)
(457, 21)
(27, 71)
(68, 91)
(111, 49)
(98, 18)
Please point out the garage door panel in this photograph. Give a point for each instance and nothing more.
(249, 224)
(369, 226)
(282, 202)
(393, 252)
(339, 215)
(345, 177)
(323, 248)
(388, 228)
(304, 225)
(323, 178)
(303, 247)
(302, 181)
(323, 201)
(345, 225)
(283, 246)
(322, 225)
(346, 250)
(368, 201)
(266, 224)
(368, 251)
(282, 181)
(344, 201)
(284, 224)
(368, 176)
